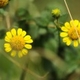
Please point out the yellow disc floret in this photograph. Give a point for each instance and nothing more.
(73, 34)
(17, 42)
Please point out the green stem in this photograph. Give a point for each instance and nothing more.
(60, 47)
(7, 18)
(22, 77)
(59, 44)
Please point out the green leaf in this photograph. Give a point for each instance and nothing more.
(2, 33)
(34, 31)
(46, 15)
(42, 31)
(52, 29)
(72, 67)
(41, 21)
(22, 14)
(63, 18)
(44, 19)
(5, 64)
(51, 44)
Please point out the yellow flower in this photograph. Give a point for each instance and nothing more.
(71, 32)
(56, 12)
(3, 3)
(17, 42)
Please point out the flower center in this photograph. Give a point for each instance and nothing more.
(72, 33)
(17, 42)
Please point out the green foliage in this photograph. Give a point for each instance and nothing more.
(22, 14)
(5, 66)
(2, 33)
(63, 18)
(34, 31)
(51, 44)
(50, 58)
(44, 19)
(42, 31)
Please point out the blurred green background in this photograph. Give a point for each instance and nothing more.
(48, 60)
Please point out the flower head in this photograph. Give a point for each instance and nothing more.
(56, 13)
(71, 32)
(3, 3)
(17, 42)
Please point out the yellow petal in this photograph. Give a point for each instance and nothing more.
(65, 39)
(23, 33)
(64, 29)
(28, 37)
(8, 49)
(20, 54)
(63, 34)
(13, 53)
(24, 51)
(19, 31)
(7, 45)
(9, 35)
(7, 39)
(74, 23)
(79, 25)
(67, 25)
(75, 43)
(28, 46)
(29, 41)
(13, 31)
(68, 42)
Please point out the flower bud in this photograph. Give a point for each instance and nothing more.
(56, 13)
(3, 3)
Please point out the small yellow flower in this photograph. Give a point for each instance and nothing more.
(71, 32)
(56, 13)
(17, 42)
(3, 3)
